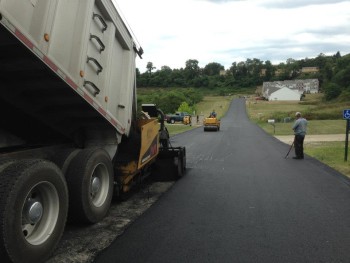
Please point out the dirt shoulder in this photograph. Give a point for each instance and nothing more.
(314, 138)
(81, 243)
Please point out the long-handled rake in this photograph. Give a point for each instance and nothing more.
(289, 150)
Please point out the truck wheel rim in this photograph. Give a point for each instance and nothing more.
(99, 185)
(40, 212)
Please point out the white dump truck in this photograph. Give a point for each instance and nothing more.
(71, 135)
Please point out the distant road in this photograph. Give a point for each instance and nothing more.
(241, 201)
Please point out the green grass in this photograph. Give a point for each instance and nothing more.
(218, 103)
(330, 153)
(178, 128)
(323, 117)
(312, 107)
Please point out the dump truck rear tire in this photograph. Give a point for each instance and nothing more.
(90, 184)
(33, 210)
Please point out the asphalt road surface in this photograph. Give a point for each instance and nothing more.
(242, 201)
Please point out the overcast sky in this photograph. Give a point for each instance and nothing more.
(226, 31)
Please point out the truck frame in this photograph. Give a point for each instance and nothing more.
(70, 132)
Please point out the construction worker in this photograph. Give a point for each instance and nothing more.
(299, 128)
(213, 114)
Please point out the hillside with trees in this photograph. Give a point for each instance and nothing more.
(333, 75)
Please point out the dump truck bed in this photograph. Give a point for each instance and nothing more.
(67, 70)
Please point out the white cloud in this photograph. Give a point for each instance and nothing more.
(171, 32)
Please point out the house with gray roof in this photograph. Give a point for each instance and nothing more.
(300, 86)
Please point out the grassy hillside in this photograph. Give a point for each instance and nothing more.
(323, 117)
(218, 103)
(313, 108)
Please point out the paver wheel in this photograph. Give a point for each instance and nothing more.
(33, 210)
(184, 158)
(181, 163)
(180, 167)
(90, 184)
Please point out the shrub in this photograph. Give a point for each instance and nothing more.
(332, 91)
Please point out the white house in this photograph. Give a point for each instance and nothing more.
(301, 86)
(284, 94)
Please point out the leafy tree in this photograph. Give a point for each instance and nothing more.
(320, 60)
(165, 69)
(178, 78)
(337, 55)
(164, 75)
(213, 69)
(200, 81)
(241, 70)
(233, 69)
(143, 80)
(332, 91)
(254, 67)
(156, 81)
(333, 75)
(344, 96)
(292, 69)
(193, 96)
(269, 70)
(192, 69)
(170, 101)
(327, 71)
(342, 78)
(184, 107)
(150, 67)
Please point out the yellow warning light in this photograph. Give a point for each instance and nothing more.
(46, 37)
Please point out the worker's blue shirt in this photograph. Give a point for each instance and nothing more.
(300, 126)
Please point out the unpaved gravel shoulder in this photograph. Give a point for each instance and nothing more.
(314, 138)
(82, 243)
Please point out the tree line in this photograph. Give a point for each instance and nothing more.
(333, 76)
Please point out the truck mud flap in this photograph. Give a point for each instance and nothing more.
(170, 164)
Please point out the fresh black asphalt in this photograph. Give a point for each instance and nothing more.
(242, 201)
